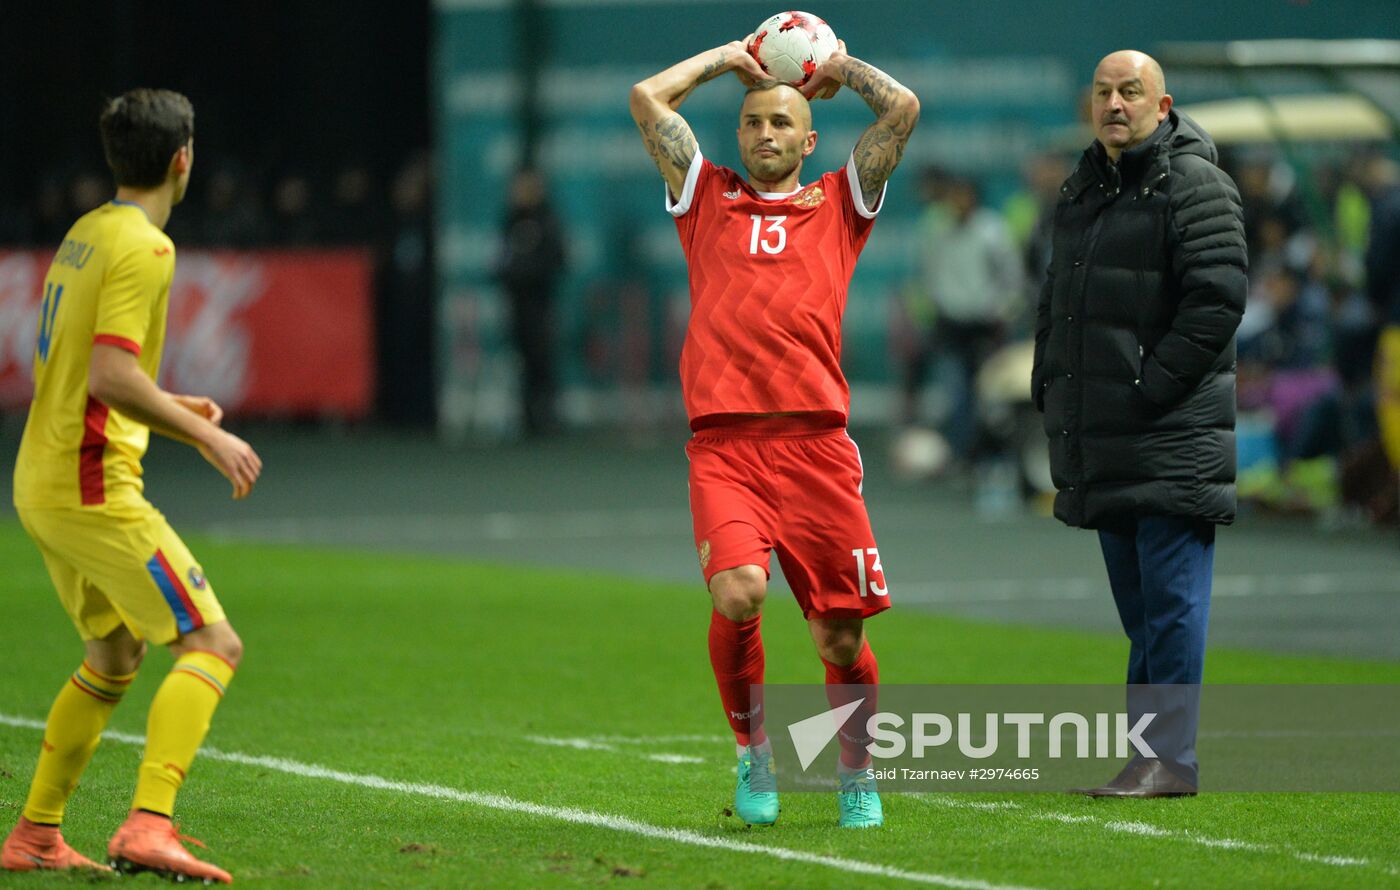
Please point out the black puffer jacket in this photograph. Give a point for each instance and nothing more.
(1134, 341)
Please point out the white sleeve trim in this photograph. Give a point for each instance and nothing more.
(857, 197)
(679, 207)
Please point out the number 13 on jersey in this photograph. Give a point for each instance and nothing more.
(871, 574)
(773, 239)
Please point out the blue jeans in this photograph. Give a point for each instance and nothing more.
(1160, 569)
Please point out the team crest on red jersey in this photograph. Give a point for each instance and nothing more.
(704, 552)
(810, 196)
(733, 196)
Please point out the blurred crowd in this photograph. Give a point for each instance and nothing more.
(1323, 282)
(234, 205)
(1307, 344)
(231, 205)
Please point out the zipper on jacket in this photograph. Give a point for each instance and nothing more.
(1081, 264)
(1151, 187)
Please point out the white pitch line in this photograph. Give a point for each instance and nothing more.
(674, 758)
(579, 744)
(576, 744)
(662, 739)
(1143, 829)
(576, 816)
(1334, 860)
(1066, 818)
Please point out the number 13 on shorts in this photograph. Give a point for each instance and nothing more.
(869, 572)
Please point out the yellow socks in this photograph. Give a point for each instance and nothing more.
(178, 722)
(72, 732)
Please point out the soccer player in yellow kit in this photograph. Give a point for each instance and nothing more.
(121, 572)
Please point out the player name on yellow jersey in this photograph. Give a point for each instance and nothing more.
(74, 254)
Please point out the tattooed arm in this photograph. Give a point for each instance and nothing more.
(896, 109)
(654, 101)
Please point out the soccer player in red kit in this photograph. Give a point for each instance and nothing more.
(771, 465)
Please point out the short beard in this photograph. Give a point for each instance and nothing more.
(771, 169)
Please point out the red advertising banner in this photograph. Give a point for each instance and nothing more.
(267, 333)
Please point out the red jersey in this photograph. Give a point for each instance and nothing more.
(768, 281)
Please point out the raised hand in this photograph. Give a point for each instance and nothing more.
(746, 66)
(826, 81)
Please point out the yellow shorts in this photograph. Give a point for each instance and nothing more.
(115, 565)
(1388, 391)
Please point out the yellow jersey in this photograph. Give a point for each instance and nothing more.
(109, 283)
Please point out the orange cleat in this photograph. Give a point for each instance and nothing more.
(148, 842)
(32, 846)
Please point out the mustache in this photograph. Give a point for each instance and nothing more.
(1114, 119)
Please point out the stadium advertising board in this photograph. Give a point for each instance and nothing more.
(269, 333)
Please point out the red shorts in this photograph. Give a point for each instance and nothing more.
(791, 485)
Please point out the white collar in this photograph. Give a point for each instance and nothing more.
(773, 196)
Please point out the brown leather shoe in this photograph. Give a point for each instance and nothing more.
(1143, 778)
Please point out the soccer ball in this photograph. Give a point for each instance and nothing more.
(790, 45)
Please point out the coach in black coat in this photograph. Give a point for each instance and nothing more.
(1135, 373)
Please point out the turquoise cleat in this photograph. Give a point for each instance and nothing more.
(858, 802)
(756, 794)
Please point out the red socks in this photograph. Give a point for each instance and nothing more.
(853, 736)
(736, 654)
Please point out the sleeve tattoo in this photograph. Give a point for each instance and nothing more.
(670, 142)
(668, 138)
(881, 146)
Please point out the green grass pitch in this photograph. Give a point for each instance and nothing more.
(453, 674)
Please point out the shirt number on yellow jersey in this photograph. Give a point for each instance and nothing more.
(48, 311)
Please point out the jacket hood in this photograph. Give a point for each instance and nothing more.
(1189, 138)
(1176, 135)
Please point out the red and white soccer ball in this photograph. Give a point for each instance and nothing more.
(790, 45)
